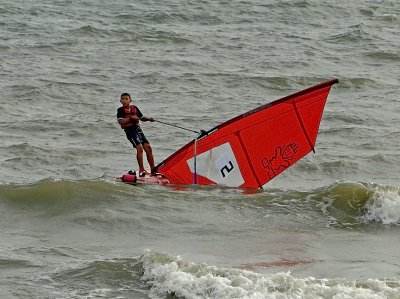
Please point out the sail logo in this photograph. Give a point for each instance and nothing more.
(227, 168)
(282, 159)
(218, 165)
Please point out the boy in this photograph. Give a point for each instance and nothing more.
(128, 117)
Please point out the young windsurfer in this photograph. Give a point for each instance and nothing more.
(128, 117)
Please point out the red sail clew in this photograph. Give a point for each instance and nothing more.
(253, 148)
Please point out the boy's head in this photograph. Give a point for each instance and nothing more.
(125, 99)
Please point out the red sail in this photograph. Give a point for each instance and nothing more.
(253, 148)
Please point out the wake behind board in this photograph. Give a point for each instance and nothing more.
(132, 177)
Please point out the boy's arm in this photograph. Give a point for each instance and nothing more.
(124, 121)
(145, 118)
(142, 117)
(120, 117)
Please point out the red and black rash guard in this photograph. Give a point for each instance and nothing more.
(128, 112)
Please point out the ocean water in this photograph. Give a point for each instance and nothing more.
(329, 227)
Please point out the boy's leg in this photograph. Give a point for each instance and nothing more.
(149, 154)
(139, 157)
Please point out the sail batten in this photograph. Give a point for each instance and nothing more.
(253, 172)
(251, 149)
(302, 126)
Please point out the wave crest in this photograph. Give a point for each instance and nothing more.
(383, 206)
(349, 203)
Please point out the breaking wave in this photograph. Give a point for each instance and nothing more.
(349, 203)
(159, 275)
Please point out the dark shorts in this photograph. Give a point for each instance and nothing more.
(136, 136)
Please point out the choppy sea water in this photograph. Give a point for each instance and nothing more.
(326, 228)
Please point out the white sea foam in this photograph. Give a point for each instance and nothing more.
(383, 206)
(167, 275)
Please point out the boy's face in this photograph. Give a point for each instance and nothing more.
(125, 100)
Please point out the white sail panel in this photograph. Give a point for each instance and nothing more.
(218, 165)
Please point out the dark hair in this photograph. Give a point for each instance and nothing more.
(125, 94)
